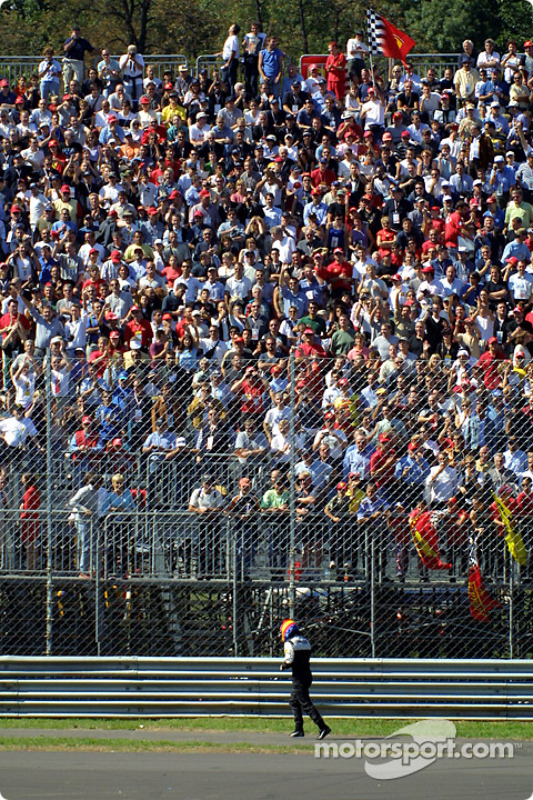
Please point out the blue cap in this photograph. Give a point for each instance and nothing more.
(123, 376)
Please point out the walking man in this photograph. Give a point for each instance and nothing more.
(297, 651)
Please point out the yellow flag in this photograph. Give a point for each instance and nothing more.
(514, 541)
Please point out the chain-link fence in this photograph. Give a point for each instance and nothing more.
(160, 511)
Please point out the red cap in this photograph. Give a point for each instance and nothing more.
(412, 446)
(428, 269)
(491, 199)
(382, 438)
(144, 99)
(309, 331)
(92, 251)
(86, 420)
(152, 210)
(14, 209)
(341, 486)
(167, 316)
(20, 100)
(114, 334)
(329, 415)
(174, 194)
(344, 382)
(65, 188)
(116, 256)
(492, 340)
(338, 250)
(316, 191)
(396, 277)
(528, 44)
(3, 82)
(112, 118)
(205, 193)
(387, 137)
(367, 134)
(52, 143)
(511, 260)
(116, 443)
(397, 115)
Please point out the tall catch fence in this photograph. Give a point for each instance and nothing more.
(191, 525)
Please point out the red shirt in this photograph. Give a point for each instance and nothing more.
(338, 274)
(143, 327)
(101, 366)
(525, 504)
(319, 176)
(491, 377)
(377, 459)
(253, 397)
(385, 236)
(7, 320)
(452, 228)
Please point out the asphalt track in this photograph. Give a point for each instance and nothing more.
(73, 775)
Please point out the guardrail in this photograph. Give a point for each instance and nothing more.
(180, 687)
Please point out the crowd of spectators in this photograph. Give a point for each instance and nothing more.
(188, 259)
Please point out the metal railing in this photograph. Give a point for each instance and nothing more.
(208, 62)
(14, 67)
(172, 687)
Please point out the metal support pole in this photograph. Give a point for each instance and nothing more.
(292, 501)
(48, 508)
(372, 595)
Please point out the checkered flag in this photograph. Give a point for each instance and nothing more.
(375, 32)
(385, 39)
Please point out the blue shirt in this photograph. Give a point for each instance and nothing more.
(370, 505)
(418, 470)
(271, 62)
(357, 461)
(503, 180)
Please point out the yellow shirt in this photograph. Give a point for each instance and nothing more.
(72, 207)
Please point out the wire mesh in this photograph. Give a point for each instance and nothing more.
(173, 522)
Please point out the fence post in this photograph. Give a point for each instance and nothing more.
(48, 509)
(236, 574)
(373, 595)
(97, 567)
(292, 501)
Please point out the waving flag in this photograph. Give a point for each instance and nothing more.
(513, 539)
(481, 603)
(384, 38)
(425, 539)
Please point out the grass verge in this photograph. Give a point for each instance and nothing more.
(469, 729)
(141, 746)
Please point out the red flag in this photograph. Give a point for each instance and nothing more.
(384, 36)
(426, 540)
(481, 603)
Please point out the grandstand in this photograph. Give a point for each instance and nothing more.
(267, 349)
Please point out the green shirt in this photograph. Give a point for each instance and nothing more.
(271, 499)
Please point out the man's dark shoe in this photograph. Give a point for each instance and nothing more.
(297, 734)
(324, 732)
